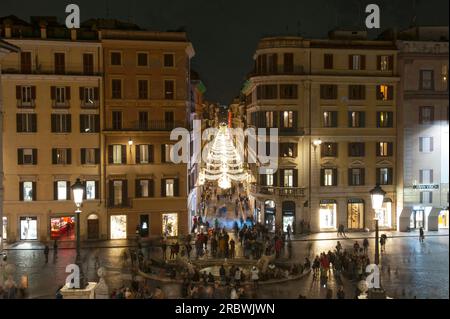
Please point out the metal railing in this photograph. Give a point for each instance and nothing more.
(147, 126)
(278, 191)
(125, 203)
(279, 70)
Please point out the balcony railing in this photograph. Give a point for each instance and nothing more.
(147, 126)
(93, 104)
(26, 104)
(61, 105)
(277, 191)
(125, 203)
(280, 70)
(68, 70)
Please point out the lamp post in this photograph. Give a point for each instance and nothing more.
(377, 196)
(78, 192)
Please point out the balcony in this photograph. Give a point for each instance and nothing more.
(295, 70)
(91, 104)
(126, 203)
(278, 191)
(60, 105)
(70, 69)
(31, 104)
(135, 126)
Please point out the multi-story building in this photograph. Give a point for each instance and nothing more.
(146, 89)
(423, 127)
(334, 104)
(5, 48)
(52, 104)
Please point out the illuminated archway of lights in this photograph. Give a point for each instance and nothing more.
(223, 164)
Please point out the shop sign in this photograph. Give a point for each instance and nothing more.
(426, 186)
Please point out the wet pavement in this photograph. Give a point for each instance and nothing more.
(416, 269)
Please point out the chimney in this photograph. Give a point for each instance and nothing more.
(8, 29)
(43, 26)
(73, 34)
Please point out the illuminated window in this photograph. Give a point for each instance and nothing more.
(356, 119)
(384, 148)
(384, 63)
(385, 215)
(269, 119)
(27, 191)
(384, 176)
(61, 190)
(288, 178)
(356, 62)
(90, 189)
(143, 153)
(5, 227)
(385, 92)
(170, 187)
(117, 154)
(144, 185)
(269, 177)
(328, 177)
(288, 119)
(385, 119)
(117, 188)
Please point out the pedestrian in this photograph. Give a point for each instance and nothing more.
(338, 246)
(255, 276)
(55, 247)
(164, 248)
(232, 248)
(365, 245)
(288, 230)
(383, 239)
(237, 276)
(46, 251)
(421, 235)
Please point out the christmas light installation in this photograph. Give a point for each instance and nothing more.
(224, 164)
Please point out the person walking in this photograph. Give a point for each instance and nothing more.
(255, 276)
(46, 251)
(421, 235)
(288, 230)
(232, 248)
(365, 245)
(55, 247)
(164, 248)
(383, 239)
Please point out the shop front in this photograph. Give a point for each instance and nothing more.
(327, 214)
(118, 226)
(355, 213)
(269, 215)
(170, 224)
(385, 214)
(93, 227)
(28, 228)
(417, 218)
(62, 228)
(443, 219)
(288, 214)
(144, 225)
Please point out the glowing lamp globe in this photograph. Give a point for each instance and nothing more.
(377, 196)
(78, 191)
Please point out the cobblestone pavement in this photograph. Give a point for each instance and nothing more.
(416, 269)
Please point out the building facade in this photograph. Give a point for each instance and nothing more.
(334, 103)
(147, 84)
(5, 49)
(52, 104)
(423, 128)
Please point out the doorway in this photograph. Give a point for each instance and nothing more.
(92, 227)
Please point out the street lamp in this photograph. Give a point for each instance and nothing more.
(78, 191)
(377, 196)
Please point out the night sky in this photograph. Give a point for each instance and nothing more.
(225, 32)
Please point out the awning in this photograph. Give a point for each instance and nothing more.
(433, 219)
(405, 219)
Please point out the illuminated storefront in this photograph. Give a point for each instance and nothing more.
(327, 212)
(28, 228)
(288, 211)
(385, 214)
(62, 228)
(269, 215)
(5, 227)
(170, 225)
(443, 219)
(118, 227)
(144, 226)
(355, 213)
(417, 218)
